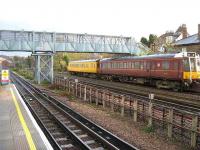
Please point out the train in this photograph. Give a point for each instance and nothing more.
(177, 71)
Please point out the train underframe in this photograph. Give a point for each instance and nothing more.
(180, 85)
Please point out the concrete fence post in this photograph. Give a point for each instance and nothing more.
(69, 86)
(76, 89)
(122, 106)
(150, 114)
(150, 110)
(112, 102)
(97, 96)
(194, 130)
(90, 95)
(103, 98)
(135, 110)
(80, 90)
(85, 93)
(170, 121)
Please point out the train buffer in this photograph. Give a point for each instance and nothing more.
(18, 128)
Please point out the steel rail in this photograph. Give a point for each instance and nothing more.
(110, 140)
(62, 125)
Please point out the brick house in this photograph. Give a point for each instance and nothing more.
(190, 43)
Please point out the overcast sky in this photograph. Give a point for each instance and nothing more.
(134, 18)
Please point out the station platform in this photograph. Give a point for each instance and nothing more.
(18, 128)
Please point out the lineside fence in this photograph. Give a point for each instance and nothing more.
(172, 122)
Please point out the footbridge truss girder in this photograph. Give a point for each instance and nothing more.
(66, 42)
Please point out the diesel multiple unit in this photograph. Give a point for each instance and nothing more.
(172, 71)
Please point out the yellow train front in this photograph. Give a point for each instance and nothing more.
(84, 67)
(191, 74)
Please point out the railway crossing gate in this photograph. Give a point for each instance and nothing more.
(44, 45)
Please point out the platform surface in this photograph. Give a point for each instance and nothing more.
(18, 128)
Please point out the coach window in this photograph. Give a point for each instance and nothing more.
(118, 65)
(144, 66)
(109, 65)
(165, 65)
(137, 65)
(129, 65)
(121, 65)
(153, 66)
(141, 65)
(133, 65)
(124, 65)
(175, 65)
(115, 65)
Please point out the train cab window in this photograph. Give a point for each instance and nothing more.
(193, 64)
(165, 65)
(198, 64)
(186, 64)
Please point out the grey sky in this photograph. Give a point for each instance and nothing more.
(111, 17)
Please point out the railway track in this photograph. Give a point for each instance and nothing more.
(170, 99)
(65, 128)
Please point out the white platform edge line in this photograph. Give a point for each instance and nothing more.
(45, 140)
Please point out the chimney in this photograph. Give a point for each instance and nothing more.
(199, 31)
(184, 31)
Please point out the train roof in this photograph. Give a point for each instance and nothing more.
(173, 55)
(89, 60)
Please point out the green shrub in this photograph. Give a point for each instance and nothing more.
(148, 129)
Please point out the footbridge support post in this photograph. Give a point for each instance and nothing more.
(43, 67)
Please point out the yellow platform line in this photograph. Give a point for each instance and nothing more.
(23, 123)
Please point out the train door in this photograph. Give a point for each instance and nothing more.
(148, 68)
(177, 69)
(98, 69)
